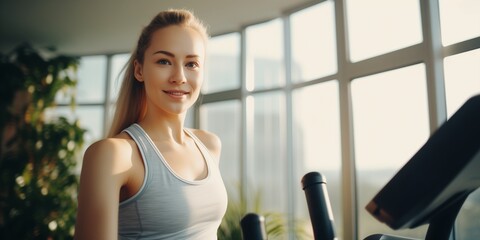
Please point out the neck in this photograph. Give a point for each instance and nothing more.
(164, 127)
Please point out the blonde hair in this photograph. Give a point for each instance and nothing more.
(131, 103)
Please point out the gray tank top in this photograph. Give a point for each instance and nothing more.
(167, 206)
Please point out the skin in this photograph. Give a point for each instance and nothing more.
(112, 169)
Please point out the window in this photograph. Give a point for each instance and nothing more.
(265, 65)
(462, 78)
(390, 110)
(223, 63)
(313, 42)
(266, 159)
(117, 71)
(376, 27)
(459, 20)
(90, 91)
(316, 144)
(390, 124)
(224, 119)
(91, 79)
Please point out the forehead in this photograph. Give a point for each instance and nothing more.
(178, 40)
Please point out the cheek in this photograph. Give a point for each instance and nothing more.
(156, 73)
(200, 82)
(196, 79)
(155, 76)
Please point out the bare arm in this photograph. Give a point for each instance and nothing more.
(104, 171)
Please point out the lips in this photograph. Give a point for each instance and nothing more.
(176, 92)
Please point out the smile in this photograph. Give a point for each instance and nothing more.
(175, 92)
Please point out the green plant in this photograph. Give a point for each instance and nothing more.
(275, 223)
(37, 157)
(230, 227)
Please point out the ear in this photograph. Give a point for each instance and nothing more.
(138, 71)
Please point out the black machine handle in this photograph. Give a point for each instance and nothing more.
(315, 186)
(253, 227)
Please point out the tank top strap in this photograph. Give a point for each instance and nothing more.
(205, 152)
(136, 133)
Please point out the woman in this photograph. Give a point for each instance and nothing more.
(152, 178)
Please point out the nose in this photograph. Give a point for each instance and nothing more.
(178, 76)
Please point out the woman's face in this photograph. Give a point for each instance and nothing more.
(172, 70)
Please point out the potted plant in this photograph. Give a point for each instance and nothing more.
(37, 156)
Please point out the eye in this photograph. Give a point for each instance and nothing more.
(192, 65)
(164, 62)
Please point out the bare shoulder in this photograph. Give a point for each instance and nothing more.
(105, 169)
(210, 140)
(111, 153)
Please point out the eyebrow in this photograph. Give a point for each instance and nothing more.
(173, 55)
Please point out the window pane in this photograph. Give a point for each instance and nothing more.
(316, 144)
(223, 63)
(390, 125)
(460, 20)
(462, 78)
(118, 61)
(266, 172)
(91, 79)
(223, 119)
(376, 27)
(265, 66)
(314, 51)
